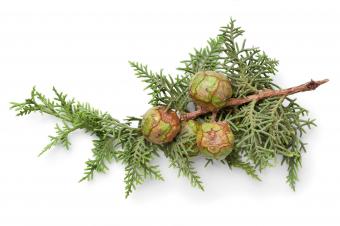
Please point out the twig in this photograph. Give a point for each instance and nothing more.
(312, 85)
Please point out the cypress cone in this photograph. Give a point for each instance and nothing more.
(210, 90)
(215, 139)
(160, 125)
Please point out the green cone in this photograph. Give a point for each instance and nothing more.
(160, 126)
(215, 139)
(210, 89)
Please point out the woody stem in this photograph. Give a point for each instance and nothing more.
(312, 85)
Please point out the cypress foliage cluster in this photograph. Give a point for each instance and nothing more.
(265, 130)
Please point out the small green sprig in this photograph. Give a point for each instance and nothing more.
(178, 153)
(165, 90)
(114, 140)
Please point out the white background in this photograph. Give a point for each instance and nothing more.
(82, 48)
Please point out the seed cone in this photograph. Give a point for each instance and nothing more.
(160, 126)
(210, 89)
(215, 139)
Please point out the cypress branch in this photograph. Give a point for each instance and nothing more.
(266, 123)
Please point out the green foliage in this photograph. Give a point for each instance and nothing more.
(207, 58)
(137, 154)
(103, 152)
(179, 153)
(235, 160)
(250, 69)
(264, 130)
(115, 140)
(165, 90)
(61, 137)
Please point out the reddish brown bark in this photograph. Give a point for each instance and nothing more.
(259, 96)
